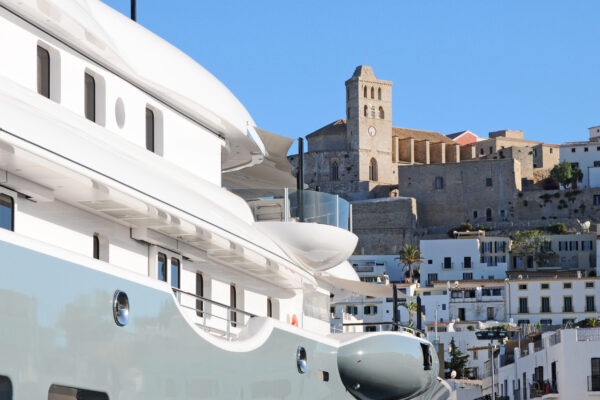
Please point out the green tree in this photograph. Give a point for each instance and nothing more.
(410, 259)
(563, 174)
(532, 244)
(411, 306)
(458, 360)
(576, 176)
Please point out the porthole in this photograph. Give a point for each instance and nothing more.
(301, 360)
(120, 112)
(121, 308)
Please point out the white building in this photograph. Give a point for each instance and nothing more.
(464, 258)
(552, 301)
(585, 155)
(564, 365)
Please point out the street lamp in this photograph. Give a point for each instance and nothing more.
(491, 336)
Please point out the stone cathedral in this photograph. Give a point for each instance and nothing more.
(358, 157)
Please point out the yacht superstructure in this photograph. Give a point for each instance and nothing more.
(129, 272)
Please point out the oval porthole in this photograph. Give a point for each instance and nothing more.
(121, 308)
(301, 360)
(120, 112)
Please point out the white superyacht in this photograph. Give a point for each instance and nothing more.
(128, 271)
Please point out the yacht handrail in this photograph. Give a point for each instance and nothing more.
(413, 331)
(232, 314)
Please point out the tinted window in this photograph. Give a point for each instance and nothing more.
(7, 212)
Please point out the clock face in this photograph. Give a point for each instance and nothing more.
(372, 131)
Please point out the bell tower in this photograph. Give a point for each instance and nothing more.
(369, 127)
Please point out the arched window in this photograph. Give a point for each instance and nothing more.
(373, 170)
(365, 110)
(372, 92)
(365, 91)
(335, 174)
(381, 113)
(379, 93)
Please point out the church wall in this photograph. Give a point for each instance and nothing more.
(472, 191)
(384, 225)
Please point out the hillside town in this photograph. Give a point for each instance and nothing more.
(475, 234)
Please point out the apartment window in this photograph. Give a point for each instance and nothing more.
(335, 171)
(585, 149)
(596, 163)
(233, 304)
(523, 309)
(488, 182)
(589, 284)
(545, 305)
(461, 313)
(150, 128)
(597, 199)
(594, 384)
(491, 313)
(590, 304)
(7, 212)
(475, 214)
(574, 165)
(161, 267)
(468, 276)
(573, 150)
(175, 273)
(488, 214)
(200, 294)
(586, 245)
(370, 310)
(523, 322)
(567, 304)
(567, 285)
(545, 286)
(467, 262)
(90, 97)
(43, 72)
(545, 322)
(352, 310)
(431, 278)
(522, 286)
(439, 182)
(447, 262)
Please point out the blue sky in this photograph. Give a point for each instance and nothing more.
(455, 65)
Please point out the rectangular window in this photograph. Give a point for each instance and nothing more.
(370, 310)
(488, 182)
(199, 293)
(545, 322)
(545, 286)
(7, 212)
(439, 182)
(597, 199)
(522, 287)
(161, 267)
(270, 308)
(596, 163)
(447, 262)
(43, 72)
(175, 273)
(590, 304)
(567, 285)
(523, 309)
(352, 310)
(491, 313)
(545, 305)
(567, 304)
(594, 384)
(90, 97)
(461, 314)
(468, 276)
(467, 262)
(149, 129)
(431, 278)
(96, 247)
(589, 284)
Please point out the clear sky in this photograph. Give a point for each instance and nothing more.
(455, 65)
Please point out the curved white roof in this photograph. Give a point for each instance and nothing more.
(151, 63)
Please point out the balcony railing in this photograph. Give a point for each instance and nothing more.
(214, 317)
(319, 207)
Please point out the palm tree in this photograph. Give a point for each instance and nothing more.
(411, 306)
(410, 258)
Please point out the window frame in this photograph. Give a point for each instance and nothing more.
(11, 196)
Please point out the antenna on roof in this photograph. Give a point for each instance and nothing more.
(133, 11)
